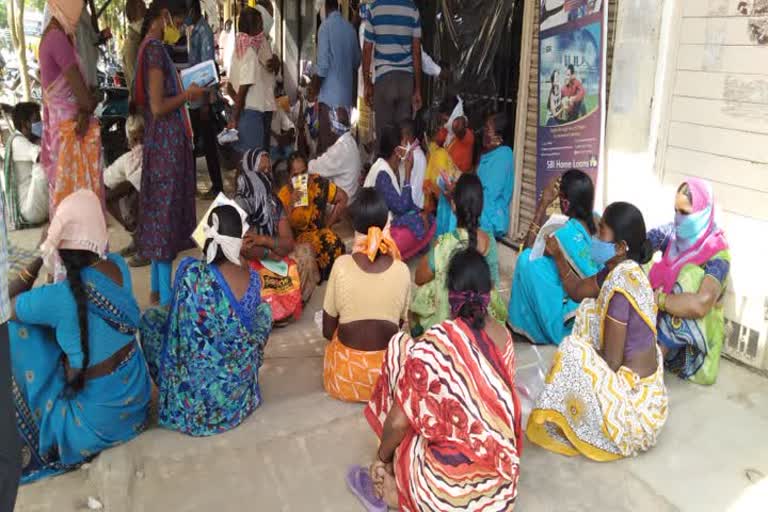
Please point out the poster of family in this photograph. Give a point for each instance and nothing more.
(571, 87)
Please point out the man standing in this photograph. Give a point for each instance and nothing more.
(134, 14)
(393, 44)
(10, 451)
(201, 49)
(573, 92)
(338, 57)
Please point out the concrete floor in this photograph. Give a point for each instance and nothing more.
(292, 453)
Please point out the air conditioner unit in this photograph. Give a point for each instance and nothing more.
(746, 330)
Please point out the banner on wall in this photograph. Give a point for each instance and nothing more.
(572, 35)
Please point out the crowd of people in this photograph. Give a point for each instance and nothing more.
(431, 352)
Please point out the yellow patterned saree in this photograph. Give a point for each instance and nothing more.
(587, 408)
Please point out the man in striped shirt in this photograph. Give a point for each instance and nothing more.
(393, 44)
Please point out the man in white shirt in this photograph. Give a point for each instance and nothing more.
(122, 181)
(409, 142)
(24, 180)
(341, 162)
(252, 83)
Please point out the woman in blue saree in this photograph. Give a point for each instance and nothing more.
(80, 381)
(205, 351)
(497, 174)
(539, 307)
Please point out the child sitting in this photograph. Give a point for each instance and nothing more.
(122, 181)
(24, 180)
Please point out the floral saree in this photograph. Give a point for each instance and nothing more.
(457, 389)
(587, 408)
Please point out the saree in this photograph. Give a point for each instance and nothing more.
(497, 175)
(695, 343)
(586, 408)
(457, 390)
(539, 307)
(308, 222)
(70, 162)
(61, 428)
(349, 374)
(430, 301)
(205, 351)
(439, 164)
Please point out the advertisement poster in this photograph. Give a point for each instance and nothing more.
(571, 88)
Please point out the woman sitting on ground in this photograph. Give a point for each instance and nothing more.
(411, 230)
(446, 409)
(288, 270)
(430, 298)
(205, 351)
(308, 217)
(82, 380)
(360, 323)
(539, 307)
(604, 396)
(690, 282)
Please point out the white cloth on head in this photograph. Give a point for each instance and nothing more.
(417, 175)
(267, 18)
(229, 245)
(378, 167)
(458, 111)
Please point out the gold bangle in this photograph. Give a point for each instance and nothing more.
(21, 276)
(662, 302)
(29, 274)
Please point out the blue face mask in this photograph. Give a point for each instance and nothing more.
(37, 129)
(188, 21)
(602, 251)
(690, 227)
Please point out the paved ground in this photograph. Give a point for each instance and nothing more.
(291, 454)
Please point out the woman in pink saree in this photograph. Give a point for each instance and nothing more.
(71, 145)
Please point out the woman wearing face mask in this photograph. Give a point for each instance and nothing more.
(497, 174)
(411, 230)
(690, 282)
(167, 197)
(604, 396)
(204, 353)
(71, 144)
(539, 307)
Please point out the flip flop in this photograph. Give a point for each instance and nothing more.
(361, 485)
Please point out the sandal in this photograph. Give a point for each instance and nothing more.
(360, 483)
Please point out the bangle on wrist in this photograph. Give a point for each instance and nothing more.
(23, 279)
(266, 253)
(378, 456)
(662, 302)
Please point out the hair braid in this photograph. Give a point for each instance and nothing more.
(75, 261)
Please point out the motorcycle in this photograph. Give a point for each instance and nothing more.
(112, 113)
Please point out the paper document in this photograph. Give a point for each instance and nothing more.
(301, 184)
(203, 74)
(554, 223)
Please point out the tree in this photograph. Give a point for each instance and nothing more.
(16, 26)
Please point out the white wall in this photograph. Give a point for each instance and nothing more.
(690, 98)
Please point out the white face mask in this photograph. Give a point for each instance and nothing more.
(405, 149)
(136, 25)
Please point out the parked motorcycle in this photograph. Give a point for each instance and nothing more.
(112, 113)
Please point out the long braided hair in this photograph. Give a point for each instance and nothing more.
(468, 199)
(75, 261)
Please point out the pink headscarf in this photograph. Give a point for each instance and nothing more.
(697, 252)
(79, 224)
(243, 41)
(67, 13)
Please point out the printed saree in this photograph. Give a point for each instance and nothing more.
(457, 389)
(204, 353)
(539, 307)
(587, 408)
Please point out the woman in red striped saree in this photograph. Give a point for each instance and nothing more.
(446, 410)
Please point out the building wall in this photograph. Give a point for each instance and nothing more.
(690, 98)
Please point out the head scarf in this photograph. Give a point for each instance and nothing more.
(230, 245)
(458, 111)
(266, 18)
(376, 242)
(696, 247)
(337, 127)
(67, 13)
(78, 224)
(243, 41)
(255, 195)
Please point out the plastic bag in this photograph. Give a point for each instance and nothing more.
(529, 382)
